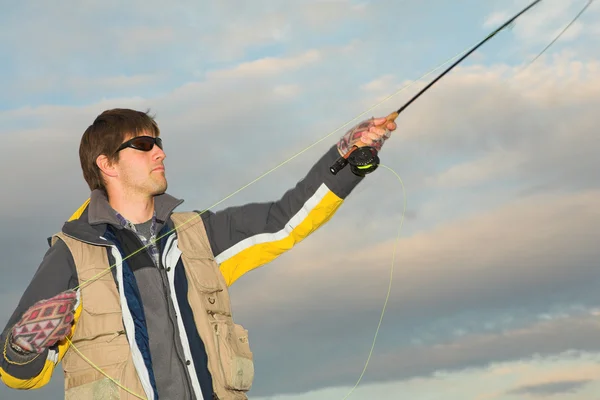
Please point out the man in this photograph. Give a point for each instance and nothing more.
(132, 296)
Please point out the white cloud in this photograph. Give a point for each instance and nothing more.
(242, 31)
(143, 38)
(381, 84)
(117, 82)
(496, 19)
(287, 91)
(498, 164)
(499, 381)
(267, 66)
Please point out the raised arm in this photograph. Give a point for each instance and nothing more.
(248, 236)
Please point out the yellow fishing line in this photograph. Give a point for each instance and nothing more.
(387, 297)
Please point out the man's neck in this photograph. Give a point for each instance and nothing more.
(135, 209)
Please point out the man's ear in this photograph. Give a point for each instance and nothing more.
(106, 166)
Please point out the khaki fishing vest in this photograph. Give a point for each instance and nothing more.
(100, 335)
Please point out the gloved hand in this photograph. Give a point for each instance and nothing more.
(371, 132)
(45, 323)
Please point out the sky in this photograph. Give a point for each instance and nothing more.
(495, 272)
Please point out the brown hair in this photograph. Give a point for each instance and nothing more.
(105, 135)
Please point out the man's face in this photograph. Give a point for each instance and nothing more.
(142, 172)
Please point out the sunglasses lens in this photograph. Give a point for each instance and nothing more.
(143, 143)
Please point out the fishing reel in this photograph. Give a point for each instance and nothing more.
(363, 160)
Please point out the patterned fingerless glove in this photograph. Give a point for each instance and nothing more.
(45, 323)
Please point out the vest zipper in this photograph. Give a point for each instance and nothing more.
(116, 335)
(162, 271)
(218, 346)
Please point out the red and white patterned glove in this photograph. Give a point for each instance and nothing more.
(371, 132)
(45, 323)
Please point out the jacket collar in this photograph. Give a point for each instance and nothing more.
(92, 223)
(100, 211)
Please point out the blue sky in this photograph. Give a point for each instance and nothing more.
(494, 293)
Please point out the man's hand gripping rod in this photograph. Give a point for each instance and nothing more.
(363, 159)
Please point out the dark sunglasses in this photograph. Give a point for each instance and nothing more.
(142, 143)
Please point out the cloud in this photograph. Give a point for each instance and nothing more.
(492, 166)
(247, 29)
(493, 382)
(552, 388)
(267, 66)
(140, 38)
(477, 350)
(496, 19)
(117, 82)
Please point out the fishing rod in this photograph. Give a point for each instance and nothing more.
(364, 159)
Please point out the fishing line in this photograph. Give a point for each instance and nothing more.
(389, 290)
(560, 34)
(392, 116)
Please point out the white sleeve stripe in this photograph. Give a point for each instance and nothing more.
(296, 220)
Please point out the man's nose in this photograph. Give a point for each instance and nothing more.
(158, 153)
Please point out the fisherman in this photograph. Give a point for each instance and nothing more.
(157, 323)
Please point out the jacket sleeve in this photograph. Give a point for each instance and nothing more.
(55, 274)
(248, 236)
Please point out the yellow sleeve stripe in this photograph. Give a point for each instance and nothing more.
(34, 383)
(260, 249)
(46, 374)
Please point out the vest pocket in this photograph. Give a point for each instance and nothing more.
(103, 389)
(213, 294)
(84, 381)
(235, 356)
(101, 314)
(104, 298)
